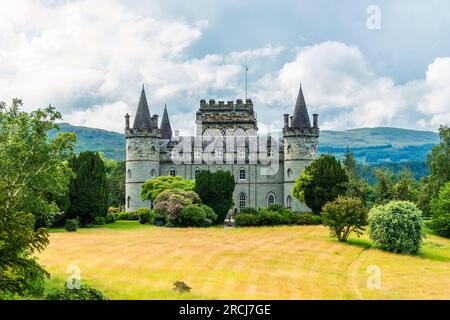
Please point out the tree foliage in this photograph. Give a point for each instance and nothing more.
(390, 186)
(89, 189)
(216, 191)
(344, 216)
(322, 181)
(440, 212)
(115, 171)
(153, 187)
(33, 175)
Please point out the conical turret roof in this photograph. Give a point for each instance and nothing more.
(142, 120)
(300, 117)
(166, 129)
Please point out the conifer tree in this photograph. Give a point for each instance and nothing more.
(89, 189)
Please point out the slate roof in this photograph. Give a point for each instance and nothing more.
(166, 129)
(300, 117)
(142, 119)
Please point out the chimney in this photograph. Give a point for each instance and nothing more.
(290, 120)
(127, 121)
(286, 120)
(315, 120)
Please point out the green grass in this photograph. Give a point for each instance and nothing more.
(127, 260)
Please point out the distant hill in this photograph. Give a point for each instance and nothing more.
(370, 145)
(112, 144)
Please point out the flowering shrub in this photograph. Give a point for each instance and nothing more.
(168, 204)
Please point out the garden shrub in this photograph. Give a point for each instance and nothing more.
(113, 210)
(307, 218)
(191, 216)
(99, 221)
(72, 225)
(344, 216)
(276, 207)
(396, 227)
(246, 220)
(168, 204)
(270, 218)
(110, 218)
(249, 210)
(83, 293)
(210, 215)
(146, 215)
(127, 216)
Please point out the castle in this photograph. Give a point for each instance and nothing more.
(264, 166)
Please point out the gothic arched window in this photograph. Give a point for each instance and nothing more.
(242, 174)
(129, 174)
(289, 149)
(128, 202)
(242, 201)
(153, 173)
(196, 172)
(270, 198)
(172, 172)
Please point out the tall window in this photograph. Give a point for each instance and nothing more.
(289, 149)
(242, 201)
(129, 173)
(270, 153)
(172, 172)
(219, 153)
(153, 150)
(242, 154)
(270, 199)
(197, 154)
(242, 175)
(153, 173)
(196, 172)
(128, 202)
(289, 201)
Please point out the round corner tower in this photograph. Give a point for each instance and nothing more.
(142, 153)
(300, 148)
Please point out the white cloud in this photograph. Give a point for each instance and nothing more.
(89, 60)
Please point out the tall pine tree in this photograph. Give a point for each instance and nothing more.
(89, 189)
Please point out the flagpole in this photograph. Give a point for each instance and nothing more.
(246, 69)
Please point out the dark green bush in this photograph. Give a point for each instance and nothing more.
(146, 215)
(191, 216)
(181, 286)
(99, 221)
(246, 220)
(110, 218)
(276, 207)
(83, 293)
(249, 210)
(210, 215)
(396, 227)
(72, 225)
(440, 212)
(270, 218)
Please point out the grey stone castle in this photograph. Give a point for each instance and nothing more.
(264, 166)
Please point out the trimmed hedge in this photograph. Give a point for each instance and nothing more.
(246, 220)
(307, 218)
(127, 216)
(146, 215)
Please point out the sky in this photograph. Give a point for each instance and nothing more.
(361, 63)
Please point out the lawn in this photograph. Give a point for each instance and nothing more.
(127, 260)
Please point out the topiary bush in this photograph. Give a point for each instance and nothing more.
(396, 227)
(246, 220)
(83, 293)
(146, 215)
(72, 225)
(344, 216)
